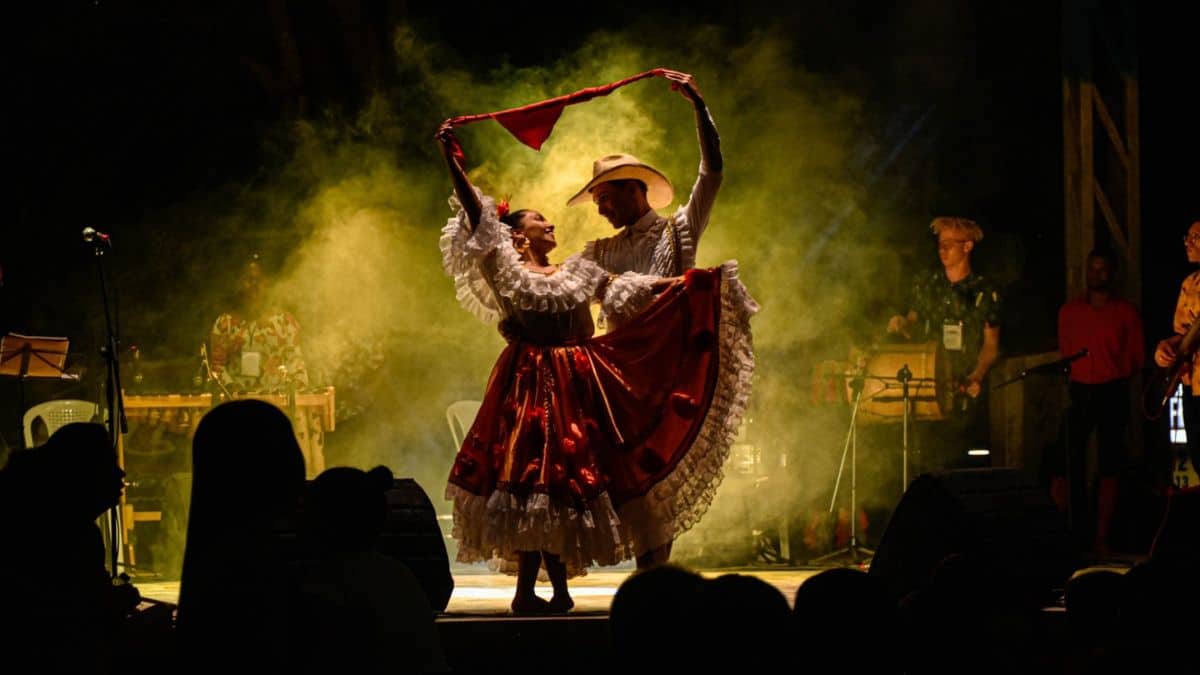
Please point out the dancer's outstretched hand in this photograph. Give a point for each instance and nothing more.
(685, 84)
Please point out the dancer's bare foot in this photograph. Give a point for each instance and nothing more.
(530, 604)
(561, 604)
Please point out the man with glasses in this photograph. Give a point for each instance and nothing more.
(960, 310)
(1175, 543)
(1165, 354)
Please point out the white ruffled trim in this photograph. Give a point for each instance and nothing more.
(463, 251)
(680, 499)
(575, 282)
(589, 251)
(687, 245)
(664, 261)
(502, 524)
(627, 295)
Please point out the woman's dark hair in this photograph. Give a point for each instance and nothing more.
(513, 218)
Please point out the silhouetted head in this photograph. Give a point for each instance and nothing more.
(736, 610)
(652, 609)
(840, 592)
(829, 601)
(345, 508)
(80, 467)
(245, 461)
(1096, 599)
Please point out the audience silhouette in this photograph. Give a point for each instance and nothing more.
(360, 611)
(59, 604)
(237, 589)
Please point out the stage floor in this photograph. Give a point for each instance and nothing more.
(478, 592)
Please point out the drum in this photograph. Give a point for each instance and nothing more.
(883, 393)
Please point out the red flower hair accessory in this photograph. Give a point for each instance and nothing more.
(502, 208)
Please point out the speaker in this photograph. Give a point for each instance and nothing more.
(412, 536)
(1000, 515)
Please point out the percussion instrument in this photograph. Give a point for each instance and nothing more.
(883, 391)
(827, 383)
(314, 416)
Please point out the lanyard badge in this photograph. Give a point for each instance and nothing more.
(952, 335)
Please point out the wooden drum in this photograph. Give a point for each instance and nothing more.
(883, 393)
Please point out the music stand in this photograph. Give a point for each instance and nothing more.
(905, 377)
(26, 356)
(855, 552)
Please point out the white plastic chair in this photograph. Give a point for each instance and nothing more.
(461, 415)
(58, 414)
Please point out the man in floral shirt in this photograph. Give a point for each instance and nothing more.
(960, 310)
(257, 347)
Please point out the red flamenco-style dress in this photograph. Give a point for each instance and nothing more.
(597, 449)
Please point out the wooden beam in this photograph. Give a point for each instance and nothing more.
(1133, 193)
(1072, 170)
(1087, 161)
(1111, 128)
(1110, 218)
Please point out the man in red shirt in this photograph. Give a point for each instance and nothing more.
(1110, 329)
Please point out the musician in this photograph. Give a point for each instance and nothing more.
(256, 346)
(1175, 544)
(1186, 310)
(1110, 329)
(960, 310)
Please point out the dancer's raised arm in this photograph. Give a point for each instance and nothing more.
(706, 129)
(462, 185)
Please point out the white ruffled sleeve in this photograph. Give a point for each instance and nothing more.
(626, 296)
(575, 282)
(463, 255)
(463, 250)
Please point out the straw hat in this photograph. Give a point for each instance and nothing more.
(627, 167)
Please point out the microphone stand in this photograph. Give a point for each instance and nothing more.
(213, 378)
(856, 553)
(905, 376)
(113, 398)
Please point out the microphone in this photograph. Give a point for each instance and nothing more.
(1059, 365)
(96, 238)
